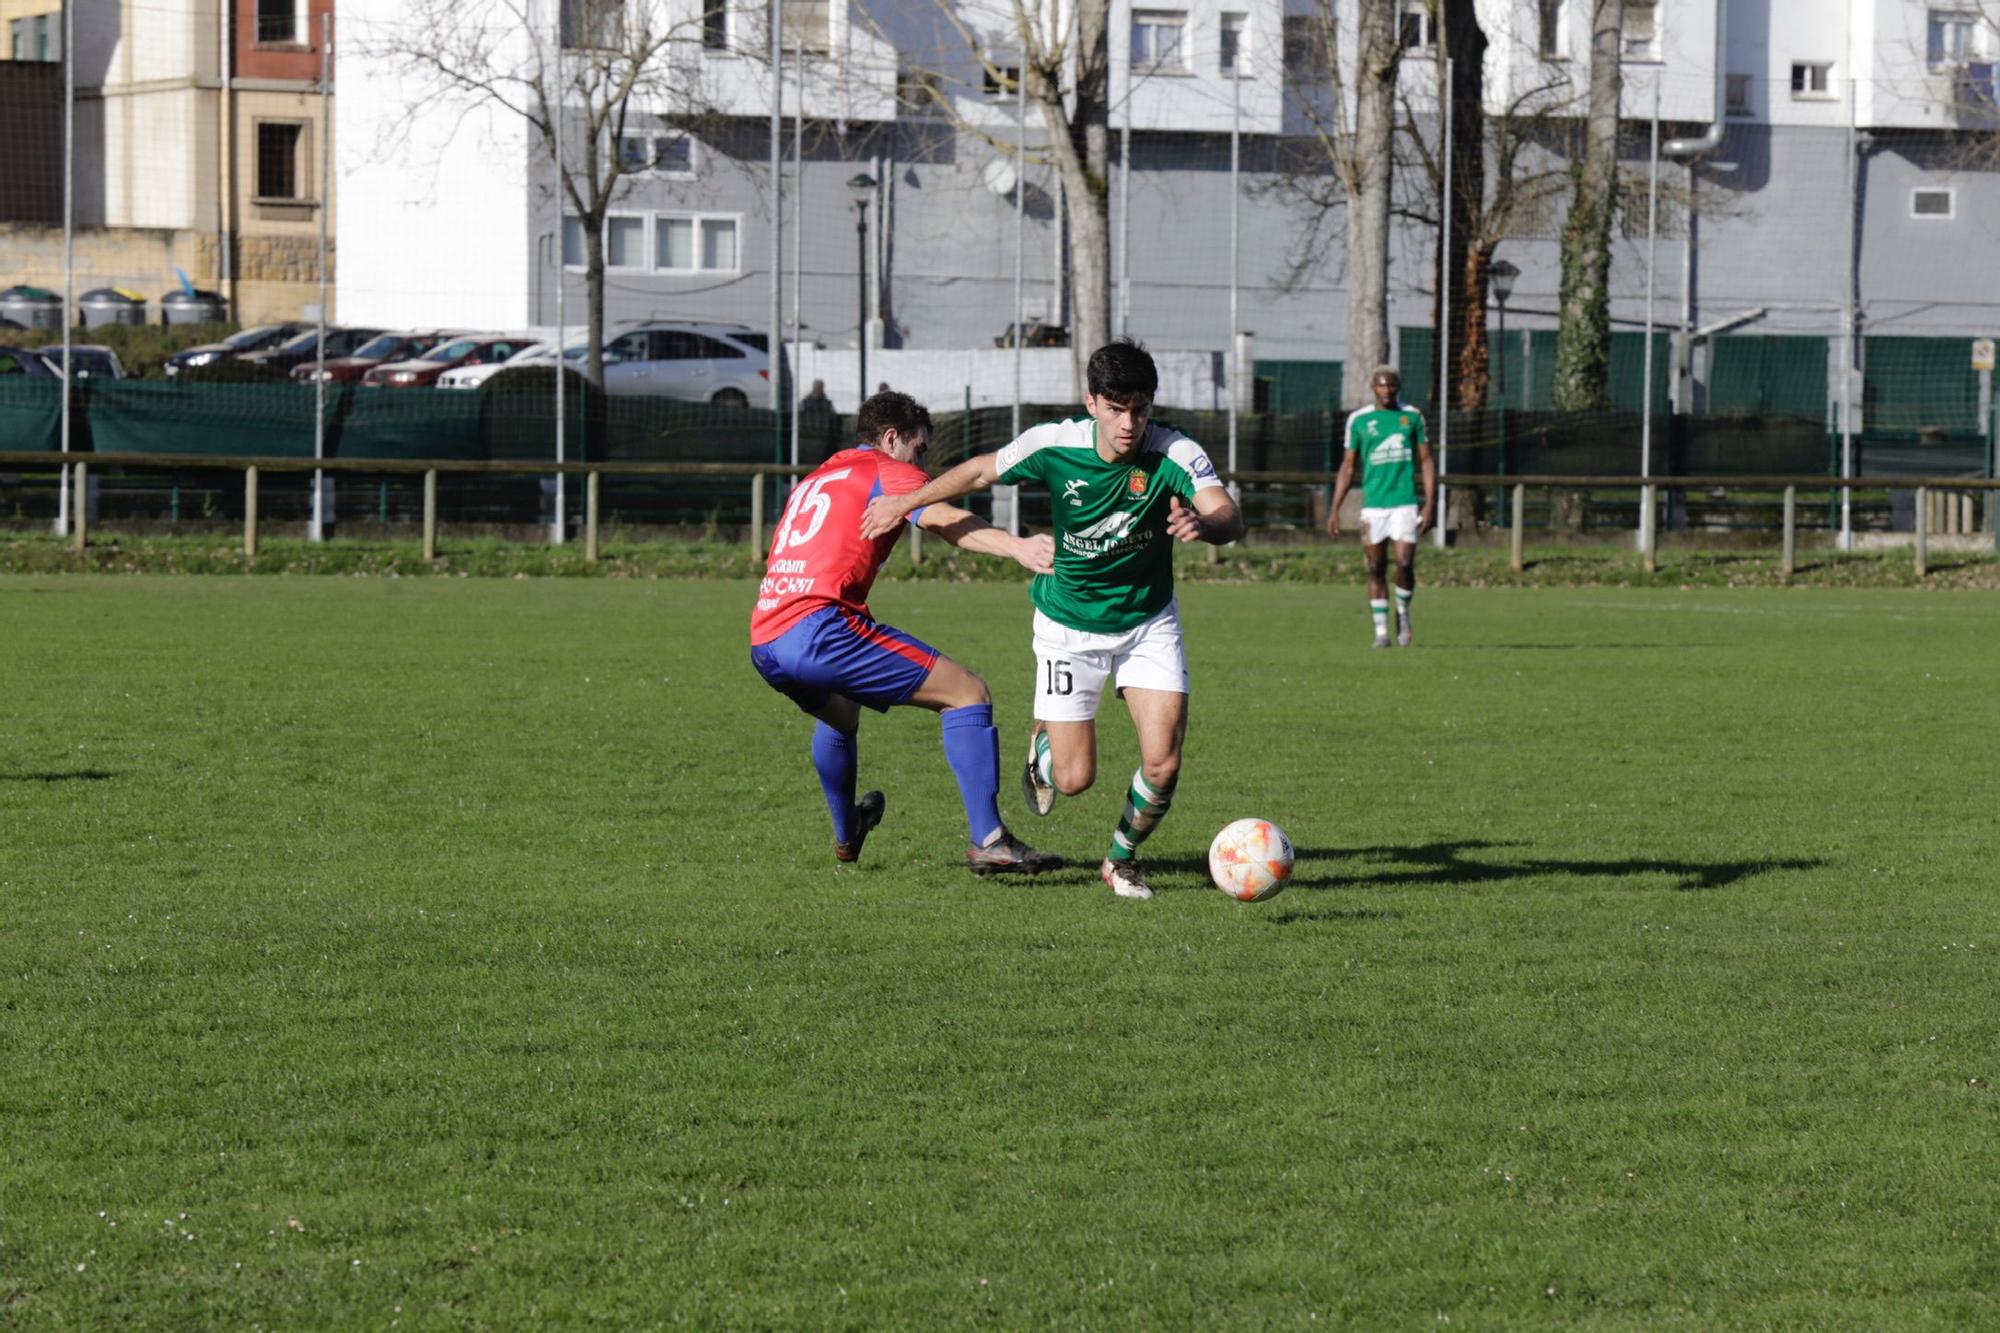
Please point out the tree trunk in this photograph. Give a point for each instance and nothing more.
(593, 297)
(1583, 335)
(1464, 268)
(1366, 179)
(1080, 135)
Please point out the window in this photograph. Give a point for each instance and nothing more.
(277, 21)
(1811, 80)
(593, 25)
(1417, 25)
(684, 244)
(1736, 94)
(1641, 37)
(17, 40)
(1305, 49)
(718, 245)
(624, 242)
(804, 25)
(572, 245)
(657, 154)
(1000, 81)
(278, 173)
(715, 25)
(1549, 29)
(1157, 43)
(1234, 28)
(1949, 36)
(46, 33)
(1933, 202)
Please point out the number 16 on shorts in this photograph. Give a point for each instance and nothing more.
(1056, 677)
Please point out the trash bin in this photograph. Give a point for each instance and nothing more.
(111, 305)
(32, 307)
(183, 307)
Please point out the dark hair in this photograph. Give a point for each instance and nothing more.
(1121, 370)
(887, 411)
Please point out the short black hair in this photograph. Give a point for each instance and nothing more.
(887, 411)
(1121, 370)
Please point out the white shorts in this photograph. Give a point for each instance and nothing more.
(1397, 524)
(1071, 665)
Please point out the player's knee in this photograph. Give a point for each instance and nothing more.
(1074, 778)
(974, 691)
(1406, 570)
(1161, 773)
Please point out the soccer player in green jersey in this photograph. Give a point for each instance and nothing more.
(1388, 442)
(1122, 491)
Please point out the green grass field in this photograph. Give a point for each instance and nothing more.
(468, 953)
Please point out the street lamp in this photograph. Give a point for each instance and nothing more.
(1500, 277)
(862, 187)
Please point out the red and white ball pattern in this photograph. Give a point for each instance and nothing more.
(1251, 860)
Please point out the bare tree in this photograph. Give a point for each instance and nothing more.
(617, 59)
(1583, 331)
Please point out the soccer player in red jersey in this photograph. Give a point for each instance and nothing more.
(813, 640)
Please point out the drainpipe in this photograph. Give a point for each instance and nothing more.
(1686, 151)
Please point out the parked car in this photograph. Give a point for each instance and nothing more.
(21, 361)
(297, 351)
(423, 372)
(236, 344)
(93, 361)
(376, 351)
(729, 364)
(534, 354)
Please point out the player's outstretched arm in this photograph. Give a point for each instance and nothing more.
(970, 532)
(884, 512)
(1215, 519)
(1342, 484)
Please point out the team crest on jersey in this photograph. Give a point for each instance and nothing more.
(1135, 482)
(1404, 421)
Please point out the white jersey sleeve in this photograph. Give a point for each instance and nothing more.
(1191, 456)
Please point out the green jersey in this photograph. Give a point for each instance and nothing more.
(1387, 444)
(1114, 564)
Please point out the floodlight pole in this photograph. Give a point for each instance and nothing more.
(1647, 518)
(556, 118)
(69, 253)
(1444, 325)
(776, 361)
(1235, 265)
(1846, 538)
(319, 515)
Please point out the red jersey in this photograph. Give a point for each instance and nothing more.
(818, 556)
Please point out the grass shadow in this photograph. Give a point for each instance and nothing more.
(75, 775)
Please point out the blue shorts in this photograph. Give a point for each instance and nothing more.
(834, 651)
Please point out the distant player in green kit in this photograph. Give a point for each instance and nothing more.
(1388, 439)
(1122, 490)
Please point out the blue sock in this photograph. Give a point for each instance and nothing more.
(972, 747)
(836, 756)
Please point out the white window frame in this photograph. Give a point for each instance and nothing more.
(1238, 69)
(786, 26)
(1160, 20)
(653, 139)
(1649, 53)
(1552, 39)
(1824, 92)
(645, 240)
(701, 222)
(1977, 43)
(1427, 32)
(989, 82)
(1950, 194)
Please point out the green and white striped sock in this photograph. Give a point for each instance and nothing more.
(1045, 759)
(1380, 610)
(1145, 806)
(1403, 598)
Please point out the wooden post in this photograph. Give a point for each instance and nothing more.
(250, 511)
(1514, 536)
(1923, 527)
(1649, 525)
(916, 545)
(756, 512)
(430, 514)
(1789, 562)
(590, 518)
(81, 500)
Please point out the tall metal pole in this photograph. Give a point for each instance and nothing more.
(1235, 257)
(861, 295)
(69, 253)
(318, 532)
(1646, 506)
(798, 206)
(1125, 208)
(777, 346)
(1847, 342)
(556, 125)
(1020, 225)
(1445, 276)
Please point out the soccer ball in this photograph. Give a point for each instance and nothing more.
(1251, 860)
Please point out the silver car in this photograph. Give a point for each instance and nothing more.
(725, 364)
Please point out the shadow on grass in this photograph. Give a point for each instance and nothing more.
(1446, 863)
(1574, 645)
(75, 775)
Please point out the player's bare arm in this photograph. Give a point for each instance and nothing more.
(1427, 469)
(1215, 519)
(1342, 484)
(884, 512)
(969, 532)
